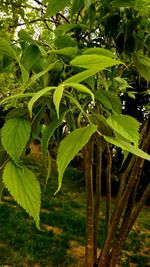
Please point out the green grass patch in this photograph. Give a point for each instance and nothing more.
(22, 244)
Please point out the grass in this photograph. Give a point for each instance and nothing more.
(22, 245)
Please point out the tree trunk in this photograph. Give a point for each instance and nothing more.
(108, 188)
(89, 249)
(107, 258)
(97, 197)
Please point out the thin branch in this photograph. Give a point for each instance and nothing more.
(97, 196)
(62, 16)
(108, 188)
(34, 21)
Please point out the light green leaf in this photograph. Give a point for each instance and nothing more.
(22, 95)
(124, 145)
(37, 95)
(24, 35)
(99, 51)
(81, 88)
(79, 77)
(142, 64)
(24, 187)
(68, 51)
(35, 77)
(94, 62)
(126, 126)
(70, 146)
(54, 6)
(57, 97)
(6, 49)
(48, 132)
(15, 134)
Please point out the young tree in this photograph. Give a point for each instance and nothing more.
(71, 60)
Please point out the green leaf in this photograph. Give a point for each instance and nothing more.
(70, 146)
(48, 132)
(123, 3)
(54, 6)
(79, 77)
(30, 56)
(98, 51)
(142, 64)
(76, 6)
(6, 49)
(124, 145)
(37, 95)
(87, 3)
(65, 28)
(57, 97)
(114, 100)
(126, 126)
(15, 134)
(109, 100)
(35, 77)
(81, 88)
(24, 187)
(68, 51)
(94, 62)
(63, 41)
(23, 35)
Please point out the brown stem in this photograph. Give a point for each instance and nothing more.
(97, 196)
(120, 240)
(104, 257)
(108, 188)
(88, 158)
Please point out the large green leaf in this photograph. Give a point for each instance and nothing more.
(109, 100)
(63, 41)
(82, 88)
(48, 132)
(30, 56)
(57, 97)
(68, 51)
(142, 64)
(82, 76)
(6, 49)
(70, 147)
(54, 6)
(94, 62)
(126, 146)
(98, 51)
(35, 77)
(24, 35)
(15, 134)
(24, 187)
(37, 95)
(126, 126)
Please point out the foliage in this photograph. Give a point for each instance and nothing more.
(70, 62)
